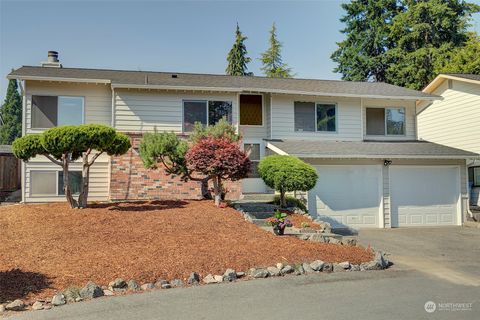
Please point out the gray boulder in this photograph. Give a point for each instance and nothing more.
(327, 267)
(287, 269)
(229, 275)
(16, 305)
(345, 265)
(299, 270)
(133, 285)
(147, 286)
(259, 273)
(193, 279)
(317, 265)
(2, 308)
(37, 305)
(177, 283)
(307, 268)
(274, 271)
(107, 292)
(335, 241)
(209, 279)
(379, 262)
(240, 274)
(58, 299)
(118, 284)
(355, 267)
(160, 283)
(90, 291)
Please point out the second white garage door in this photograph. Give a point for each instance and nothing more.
(424, 196)
(347, 196)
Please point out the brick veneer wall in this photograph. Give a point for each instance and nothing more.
(130, 180)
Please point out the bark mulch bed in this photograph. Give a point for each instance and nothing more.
(298, 219)
(47, 248)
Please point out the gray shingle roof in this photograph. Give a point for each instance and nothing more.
(219, 82)
(370, 149)
(465, 76)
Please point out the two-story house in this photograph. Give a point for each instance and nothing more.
(454, 120)
(360, 136)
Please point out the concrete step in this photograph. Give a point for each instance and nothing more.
(258, 197)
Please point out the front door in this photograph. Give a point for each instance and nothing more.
(253, 183)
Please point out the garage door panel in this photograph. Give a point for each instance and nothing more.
(347, 196)
(424, 196)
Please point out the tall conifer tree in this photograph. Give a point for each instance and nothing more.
(237, 57)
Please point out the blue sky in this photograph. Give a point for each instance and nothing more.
(177, 36)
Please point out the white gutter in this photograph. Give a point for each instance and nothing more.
(276, 149)
(60, 79)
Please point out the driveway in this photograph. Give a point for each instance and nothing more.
(449, 253)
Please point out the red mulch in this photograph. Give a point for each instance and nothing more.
(297, 220)
(46, 248)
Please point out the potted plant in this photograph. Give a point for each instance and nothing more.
(279, 222)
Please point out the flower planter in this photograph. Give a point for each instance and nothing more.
(279, 231)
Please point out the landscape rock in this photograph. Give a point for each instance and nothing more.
(287, 269)
(37, 305)
(16, 305)
(299, 270)
(334, 241)
(193, 279)
(327, 267)
(47, 306)
(240, 274)
(355, 267)
(208, 279)
(307, 268)
(379, 262)
(259, 273)
(229, 275)
(160, 283)
(2, 308)
(274, 271)
(78, 299)
(351, 242)
(218, 278)
(177, 283)
(166, 286)
(58, 299)
(147, 286)
(345, 265)
(318, 237)
(133, 285)
(71, 294)
(91, 290)
(279, 265)
(317, 265)
(117, 284)
(107, 292)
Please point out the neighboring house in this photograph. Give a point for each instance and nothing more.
(360, 136)
(455, 120)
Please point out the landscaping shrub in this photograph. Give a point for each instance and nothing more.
(287, 173)
(291, 202)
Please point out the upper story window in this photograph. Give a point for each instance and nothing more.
(311, 117)
(251, 110)
(205, 112)
(385, 121)
(52, 111)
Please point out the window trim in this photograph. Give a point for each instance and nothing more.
(206, 107)
(385, 122)
(57, 173)
(263, 110)
(58, 96)
(315, 115)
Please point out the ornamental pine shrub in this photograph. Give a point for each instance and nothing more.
(287, 173)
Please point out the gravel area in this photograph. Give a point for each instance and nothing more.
(49, 247)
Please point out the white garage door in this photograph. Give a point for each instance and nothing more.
(424, 196)
(347, 196)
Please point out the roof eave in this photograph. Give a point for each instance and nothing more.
(442, 77)
(429, 157)
(57, 79)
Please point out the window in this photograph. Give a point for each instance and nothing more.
(253, 150)
(51, 182)
(313, 117)
(75, 180)
(205, 112)
(251, 111)
(326, 117)
(43, 183)
(304, 114)
(476, 176)
(51, 111)
(385, 121)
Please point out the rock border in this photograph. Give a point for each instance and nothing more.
(119, 286)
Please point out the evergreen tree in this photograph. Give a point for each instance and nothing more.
(237, 57)
(426, 34)
(362, 55)
(464, 59)
(273, 65)
(11, 114)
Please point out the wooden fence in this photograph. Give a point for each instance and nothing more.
(10, 173)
